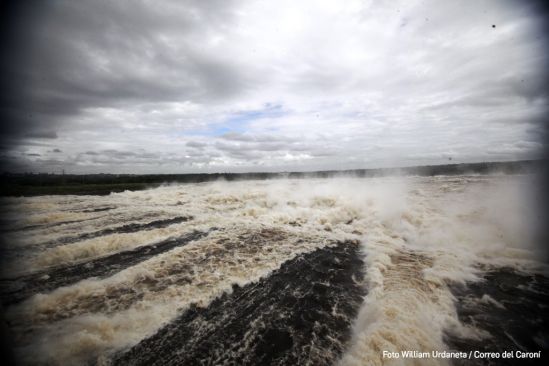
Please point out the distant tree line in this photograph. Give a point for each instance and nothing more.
(27, 184)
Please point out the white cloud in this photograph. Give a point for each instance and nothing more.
(262, 85)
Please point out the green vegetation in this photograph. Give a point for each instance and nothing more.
(101, 184)
(80, 189)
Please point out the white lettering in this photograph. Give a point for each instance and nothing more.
(387, 354)
(521, 354)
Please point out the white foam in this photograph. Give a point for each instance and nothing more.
(417, 233)
(139, 300)
(449, 227)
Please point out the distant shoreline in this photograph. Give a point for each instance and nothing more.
(29, 184)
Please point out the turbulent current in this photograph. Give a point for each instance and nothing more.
(342, 271)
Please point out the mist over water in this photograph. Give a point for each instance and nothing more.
(413, 239)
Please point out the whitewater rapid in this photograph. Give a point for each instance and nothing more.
(89, 279)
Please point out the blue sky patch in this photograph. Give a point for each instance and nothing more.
(239, 121)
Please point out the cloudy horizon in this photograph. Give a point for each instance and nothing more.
(237, 86)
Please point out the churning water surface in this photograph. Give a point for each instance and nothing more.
(281, 272)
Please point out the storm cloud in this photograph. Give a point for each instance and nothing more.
(217, 85)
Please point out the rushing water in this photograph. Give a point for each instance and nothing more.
(280, 272)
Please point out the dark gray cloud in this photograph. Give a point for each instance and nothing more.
(198, 145)
(61, 57)
(40, 134)
(176, 86)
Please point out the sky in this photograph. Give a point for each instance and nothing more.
(234, 86)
